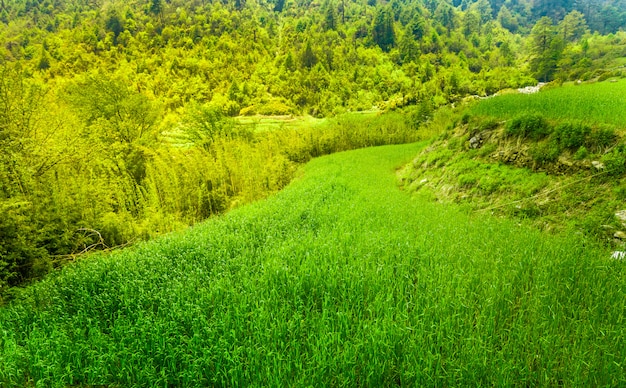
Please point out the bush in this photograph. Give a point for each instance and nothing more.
(545, 152)
(571, 135)
(620, 192)
(20, 256)
(615, 161)
(600, 138)
(531, 126)
(421, 113)
(609, 74)
(465, 119)
(581, 153)
(467, 180)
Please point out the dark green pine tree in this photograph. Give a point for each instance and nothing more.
(382, 29)
(445, 15)
(547, 47)
(308, 56)
(44, 59)
(417, 27)
(114, 23)
(554, 9)
(156, 8)
(330, 16)
(279, 5)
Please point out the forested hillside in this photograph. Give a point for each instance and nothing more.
(118, 118)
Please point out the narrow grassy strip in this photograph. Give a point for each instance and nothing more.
(341, 279)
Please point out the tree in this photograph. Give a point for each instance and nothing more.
(507, 20)
(279, 5)
(239, 4)
(204, 124)
(417, 27)
(547, 47)
(507, 53)
(330, 16)
(541, 35)
(289, 62)
(573, 26)
(382, 29)
(44, 59)
(156, 8)
(114, 23)
(445, 15)
(554, 9)
(409, 50)
(116, 114)
(234, 92)
(611, 19)
(27, 135)
(484, 10)
(471, 23)
(308, 56)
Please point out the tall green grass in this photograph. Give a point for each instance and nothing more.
(339, 280)
(598, 103)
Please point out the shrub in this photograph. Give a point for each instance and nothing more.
(489, 184)
(609, 74)
(532, 126)
(615, 161)
(421, 113)
(545, 152)
(571, 135)
(600, 138)
(467, 180)
(620, 192)
(20, 255)
(465, 119)
(581, 153)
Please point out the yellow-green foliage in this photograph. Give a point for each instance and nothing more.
(95, 171)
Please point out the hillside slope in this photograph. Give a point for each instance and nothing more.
(556, 159)
(340, 279)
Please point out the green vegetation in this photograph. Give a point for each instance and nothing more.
(592, 104)
(340, 279)
(121, 121)
(556, 159)
(531, 126)
(114, 184)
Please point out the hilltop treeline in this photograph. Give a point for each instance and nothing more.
(115, 116)
(320, 57)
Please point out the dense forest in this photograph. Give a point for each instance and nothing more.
(121, 120)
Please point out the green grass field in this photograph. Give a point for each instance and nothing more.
(339, 280)
(603, 102)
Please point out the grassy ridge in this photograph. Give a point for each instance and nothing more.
(341, 279)
(595, 103)
(555, 158)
